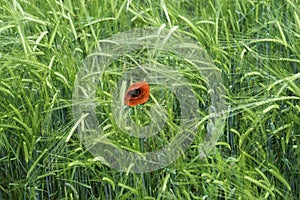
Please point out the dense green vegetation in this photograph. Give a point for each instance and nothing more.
(256, 44)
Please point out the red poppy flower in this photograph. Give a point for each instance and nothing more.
(137, 93)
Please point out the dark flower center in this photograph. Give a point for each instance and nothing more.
(134, 93)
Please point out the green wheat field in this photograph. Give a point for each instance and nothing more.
(254, 43)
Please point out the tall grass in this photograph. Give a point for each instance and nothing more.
(256, 44)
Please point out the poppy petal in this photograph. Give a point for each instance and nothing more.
(137, 93)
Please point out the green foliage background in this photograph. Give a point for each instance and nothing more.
(255, 43)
